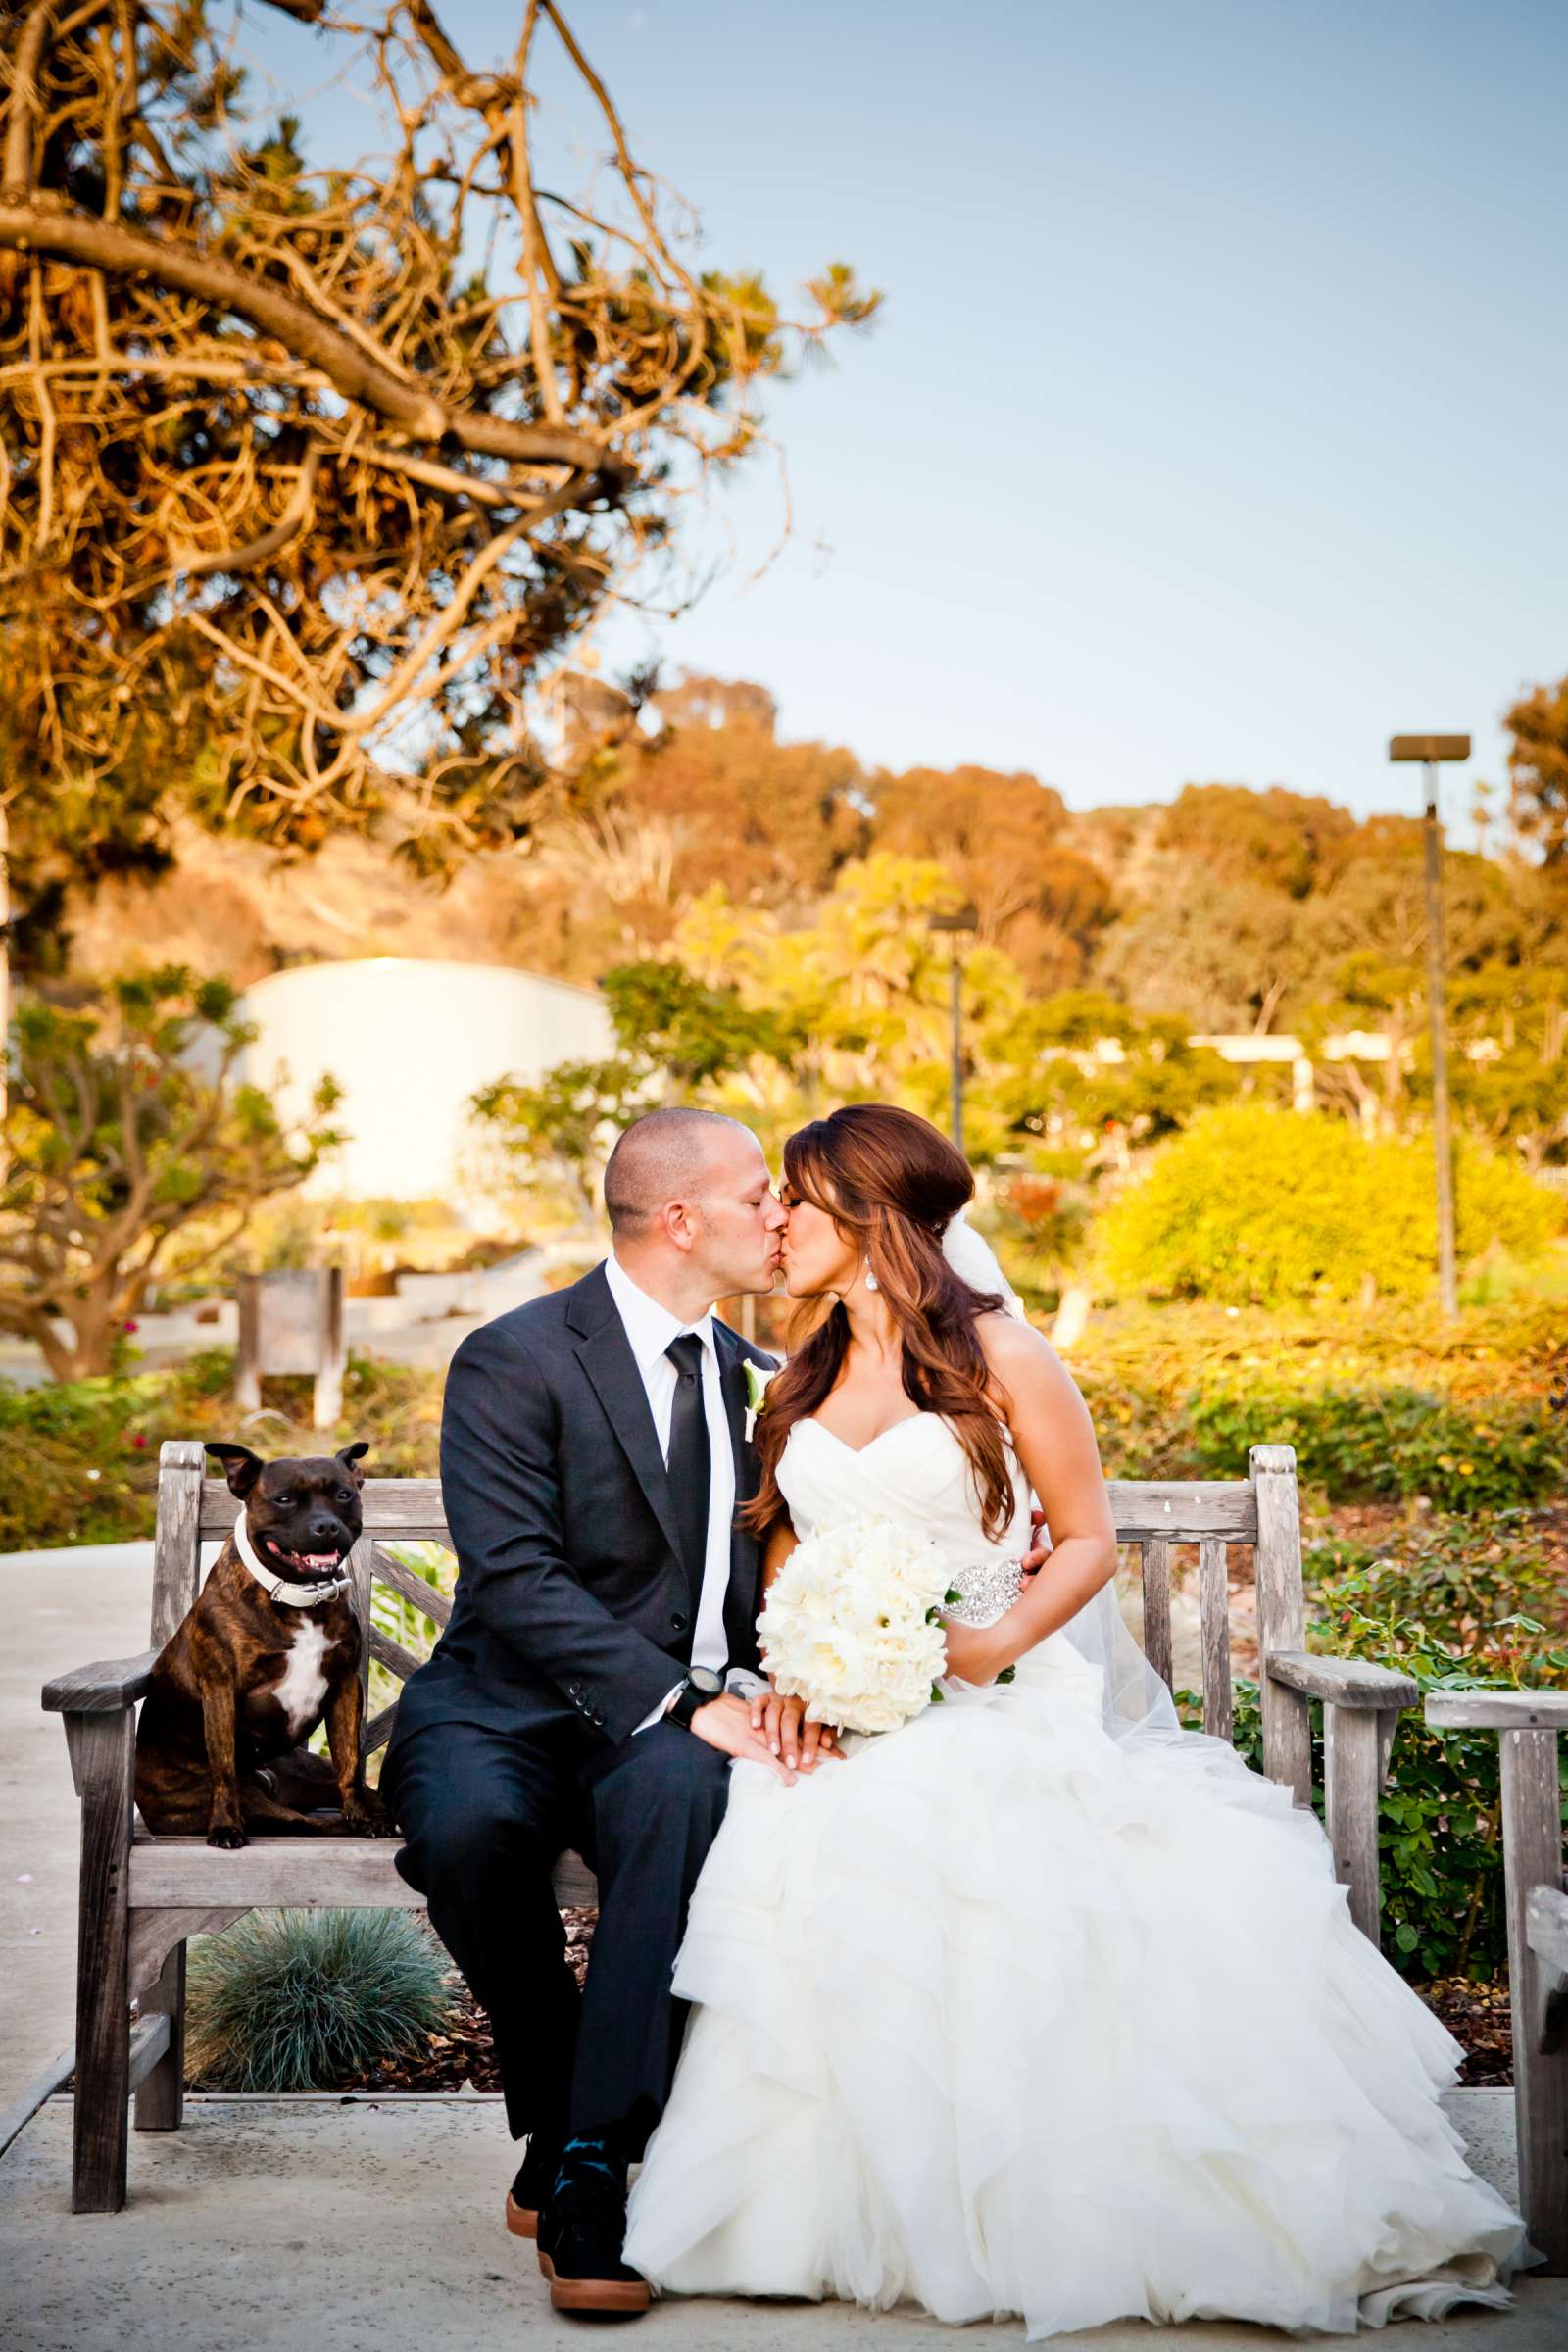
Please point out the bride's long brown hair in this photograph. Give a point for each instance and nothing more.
(891, 1181)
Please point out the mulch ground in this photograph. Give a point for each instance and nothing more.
(1478, 2016)
(463, 2056)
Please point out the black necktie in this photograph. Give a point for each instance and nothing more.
(690, 1459)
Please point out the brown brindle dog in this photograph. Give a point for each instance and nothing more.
(271, 1648)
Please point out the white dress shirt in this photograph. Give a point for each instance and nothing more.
(649, 1328)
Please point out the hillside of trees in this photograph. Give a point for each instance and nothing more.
(1230, 908)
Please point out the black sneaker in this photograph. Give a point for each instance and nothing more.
(580, 2236)
(528, 2191)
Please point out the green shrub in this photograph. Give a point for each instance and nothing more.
(1472, 1586)
(1515, 1347)
(1251, 1205)
(1453, 1610)
(306, 2000)
(1381, 1443)
(1449, 1612)
(1141, 1433)
(1247, 1720)
(70, 1472)
(78, 1461)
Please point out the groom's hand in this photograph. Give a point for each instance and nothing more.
(1039, 1551)
(727, 1724)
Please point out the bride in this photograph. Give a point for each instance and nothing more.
(1038, 2005)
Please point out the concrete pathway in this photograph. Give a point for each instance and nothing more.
(59, 1609)
(316, 2226)
(325, 2226)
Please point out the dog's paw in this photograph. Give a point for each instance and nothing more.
(367, 1818)
(227, 1834)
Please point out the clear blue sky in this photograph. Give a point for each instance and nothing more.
(1213, 428)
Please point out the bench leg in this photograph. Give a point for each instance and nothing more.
(1532, 1852)
(1352, 1778)
(103, 1754)
(161, 2098)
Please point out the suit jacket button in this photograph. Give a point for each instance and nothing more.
(678, 1623)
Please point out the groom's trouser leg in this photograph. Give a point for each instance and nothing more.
(485, 1814)
(652, 1808)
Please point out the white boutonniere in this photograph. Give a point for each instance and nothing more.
(756, 1380)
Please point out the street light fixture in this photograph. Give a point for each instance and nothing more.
(967, 919)
(1433, 751)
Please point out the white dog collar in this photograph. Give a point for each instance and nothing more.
(292, 1596)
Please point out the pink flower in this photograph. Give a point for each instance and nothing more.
(131, 1324)
(139, 1441)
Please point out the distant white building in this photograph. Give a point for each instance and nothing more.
(410, 1042)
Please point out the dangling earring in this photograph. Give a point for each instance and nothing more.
(871, 1282)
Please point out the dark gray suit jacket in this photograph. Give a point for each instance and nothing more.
(574, 1606)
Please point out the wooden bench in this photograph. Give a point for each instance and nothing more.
(1527, 1724)
(141, 1898)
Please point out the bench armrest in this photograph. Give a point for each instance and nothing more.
(1345, 1682)
(1494, 1710)
(103, 1689)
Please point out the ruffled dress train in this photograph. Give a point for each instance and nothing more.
(1003, 2017)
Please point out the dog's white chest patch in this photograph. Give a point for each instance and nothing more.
(304, 1684)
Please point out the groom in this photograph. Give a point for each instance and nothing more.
(585, 1692)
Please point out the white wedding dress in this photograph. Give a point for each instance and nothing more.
(1004, 2017)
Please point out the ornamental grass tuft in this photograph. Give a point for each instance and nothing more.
(308, 2000)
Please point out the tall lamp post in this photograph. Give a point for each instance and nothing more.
(1433, 751)
(967, 919)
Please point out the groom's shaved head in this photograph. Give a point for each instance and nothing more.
(663, 1157)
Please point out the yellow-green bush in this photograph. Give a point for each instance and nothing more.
(78, 1462)
(1261, 1207)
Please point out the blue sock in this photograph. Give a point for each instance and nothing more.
(590, 2158)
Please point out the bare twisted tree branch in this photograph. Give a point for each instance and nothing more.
(308, 472)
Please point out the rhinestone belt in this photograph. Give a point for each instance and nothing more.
(990, 1587)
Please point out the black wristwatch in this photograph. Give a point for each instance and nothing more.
(700, 1689)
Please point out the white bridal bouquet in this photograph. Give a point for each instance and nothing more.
(853, 1625)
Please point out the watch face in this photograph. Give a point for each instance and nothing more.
(703, 1678)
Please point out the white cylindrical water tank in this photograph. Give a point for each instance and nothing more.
(410, 1042)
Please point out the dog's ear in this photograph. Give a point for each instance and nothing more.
(241, 1467)
(348, 1457)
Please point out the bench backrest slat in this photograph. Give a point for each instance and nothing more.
(1181, 1511)
(178, 1544)
(1214, 1625)
(1153, 1516)
(1157, 1607)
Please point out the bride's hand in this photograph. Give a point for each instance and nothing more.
(972, 1653)
(820, 1740)
(778, 1719)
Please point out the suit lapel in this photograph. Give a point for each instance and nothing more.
(732, 1383)
(605, 1354)
(740, 1598)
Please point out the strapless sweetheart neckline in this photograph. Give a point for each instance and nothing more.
(810, 1421)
